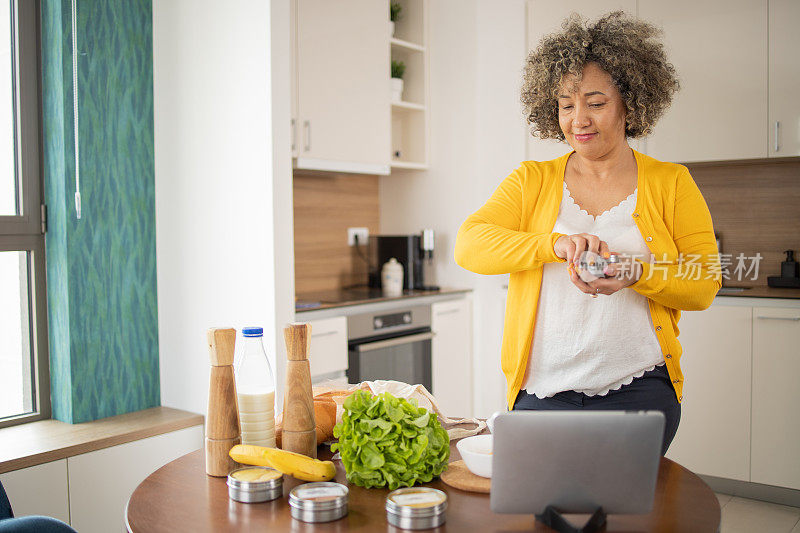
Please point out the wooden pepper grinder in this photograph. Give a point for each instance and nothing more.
(222, 422)
(299, 426)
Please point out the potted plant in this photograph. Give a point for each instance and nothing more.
(394, 15)
(398, 69)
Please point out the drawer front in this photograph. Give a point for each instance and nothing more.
(328, 346)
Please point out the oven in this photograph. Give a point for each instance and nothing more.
(392, 345)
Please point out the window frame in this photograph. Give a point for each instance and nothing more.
(25, 232)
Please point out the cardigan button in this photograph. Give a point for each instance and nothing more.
(635, 215)
(676, 381)
(680, 399)
(658, 328)
(649, 239)
(668, 356)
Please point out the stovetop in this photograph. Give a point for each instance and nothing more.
(355, 296)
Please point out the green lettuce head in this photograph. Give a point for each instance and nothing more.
(389, 441)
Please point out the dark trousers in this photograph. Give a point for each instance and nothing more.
(652, 391)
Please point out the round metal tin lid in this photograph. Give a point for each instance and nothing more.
(255, 478)
(319, 496)
(416, 502)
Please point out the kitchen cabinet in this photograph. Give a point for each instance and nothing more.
(410, 117)
(719, 52)
(784, 78)
(776, 395)
(90, 491)
(342, 86)
(327, 352)
(39, 490)
(738, 417)
(101, 482)
(451, 323)
(714, 433)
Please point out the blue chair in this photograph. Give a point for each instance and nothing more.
(27, 524)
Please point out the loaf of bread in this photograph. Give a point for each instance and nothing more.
(325, 416)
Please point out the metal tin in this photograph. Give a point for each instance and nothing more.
(318, 502)
(595, 264)
(255, 491)
(416, 508)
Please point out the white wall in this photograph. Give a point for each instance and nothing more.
(478, 136)
(219, 247)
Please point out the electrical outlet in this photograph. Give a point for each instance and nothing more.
(362, 233)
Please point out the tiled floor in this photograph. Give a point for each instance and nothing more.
(740, 515)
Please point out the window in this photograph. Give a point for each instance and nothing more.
(24, 377)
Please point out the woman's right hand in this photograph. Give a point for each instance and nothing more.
(570, 247)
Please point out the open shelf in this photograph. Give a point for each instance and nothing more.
(399, 43)
(411, 106)
(410, 115)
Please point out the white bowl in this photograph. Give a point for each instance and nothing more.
(477, 454)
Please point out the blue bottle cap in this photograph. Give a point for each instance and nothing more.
(253, 332)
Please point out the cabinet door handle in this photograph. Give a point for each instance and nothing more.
(448, 311)
(324, 333)
(397, 341)
(294, 135)
(777, 125)
(307, 129)
(792, 318)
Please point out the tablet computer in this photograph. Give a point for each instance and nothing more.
(576, 461)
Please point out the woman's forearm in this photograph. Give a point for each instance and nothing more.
(486, 248)
(680, 287)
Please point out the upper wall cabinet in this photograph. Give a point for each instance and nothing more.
(784, 78)
(342, 94)
(719, 49)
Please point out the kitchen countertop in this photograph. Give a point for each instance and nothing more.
(760, 292)
(360, 296)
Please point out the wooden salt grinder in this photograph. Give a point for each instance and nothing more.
(222, 422)
(299, 426)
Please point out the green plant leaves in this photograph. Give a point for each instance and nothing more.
(389, 441)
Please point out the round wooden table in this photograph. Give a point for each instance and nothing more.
(180, 497)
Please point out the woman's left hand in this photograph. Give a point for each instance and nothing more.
(620, 275)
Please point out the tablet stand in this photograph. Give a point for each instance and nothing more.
(553, 518)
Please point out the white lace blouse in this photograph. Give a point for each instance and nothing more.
(591, 345)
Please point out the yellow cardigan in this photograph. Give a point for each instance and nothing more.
(513, 233)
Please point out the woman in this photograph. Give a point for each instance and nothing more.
(571, 341)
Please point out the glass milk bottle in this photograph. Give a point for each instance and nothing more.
(255, 389)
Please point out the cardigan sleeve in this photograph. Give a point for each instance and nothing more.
(490, 241)
(691, 282)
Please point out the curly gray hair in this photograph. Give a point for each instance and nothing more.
(625, 47)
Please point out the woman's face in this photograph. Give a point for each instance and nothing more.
(591, 113)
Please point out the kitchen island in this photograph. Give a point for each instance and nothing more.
(181, 497)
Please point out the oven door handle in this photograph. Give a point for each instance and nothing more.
(397, 341)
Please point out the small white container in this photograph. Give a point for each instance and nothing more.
(397, 89)
(392, 278)
(477, 454)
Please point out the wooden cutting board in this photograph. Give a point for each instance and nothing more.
(458, 475)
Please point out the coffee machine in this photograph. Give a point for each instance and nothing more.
(414, 252)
